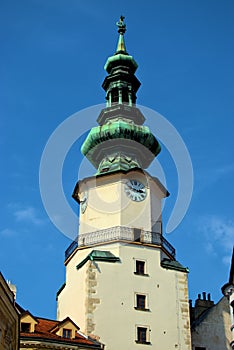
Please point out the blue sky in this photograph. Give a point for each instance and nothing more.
(52, 58)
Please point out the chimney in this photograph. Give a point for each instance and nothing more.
(203, 304)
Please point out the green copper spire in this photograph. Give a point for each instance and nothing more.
(121, 30)
(121, 84)
(120, 142)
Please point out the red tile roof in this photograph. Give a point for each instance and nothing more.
(43, 331)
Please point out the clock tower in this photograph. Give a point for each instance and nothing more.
(123, 284)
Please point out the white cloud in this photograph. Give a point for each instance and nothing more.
(28, 215)
(219, 235)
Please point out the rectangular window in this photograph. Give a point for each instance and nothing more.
(25, 327)
(140, 301)
(66, 333)
(142, 335)
(200, 348)
(140, 267)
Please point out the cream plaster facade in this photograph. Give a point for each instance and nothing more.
(101, 298)
(108, 205)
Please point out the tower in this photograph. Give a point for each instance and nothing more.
(123, 284)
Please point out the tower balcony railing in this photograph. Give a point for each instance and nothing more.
(120, 233)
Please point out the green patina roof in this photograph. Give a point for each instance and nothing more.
(98, 255)
(118, 162)
(118, 130)
(120, 124)
(173, 265)
(121, 48)
(132, 113)
(123, 59)
(121, 56)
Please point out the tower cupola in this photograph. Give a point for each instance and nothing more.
(121, 84)
(121, 141)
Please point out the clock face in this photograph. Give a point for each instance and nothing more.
(135, 190)
(84, 202)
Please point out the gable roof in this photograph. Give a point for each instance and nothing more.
(43, 333)
(26, 312)
(61, 323)
(205, 314)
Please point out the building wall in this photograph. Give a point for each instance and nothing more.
(9, 318)
(213, 332)
(101, 297)
(231, 308)
(109, 206)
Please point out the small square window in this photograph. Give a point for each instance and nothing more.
(25, 327)
(140, 267)
(66, 333)
(141, 302)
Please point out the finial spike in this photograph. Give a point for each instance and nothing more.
(121, 30)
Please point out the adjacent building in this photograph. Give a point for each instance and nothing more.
(42, 333)
(210, 324)
(9, 317)
(228, 292)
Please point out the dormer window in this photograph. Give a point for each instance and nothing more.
(27, 322)
(65, 329)
(25, 327)
(67, 333)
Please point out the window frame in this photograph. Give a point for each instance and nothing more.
(67, 333)
(139, 332)
(138, 269)
(138, 305)
(27, 326)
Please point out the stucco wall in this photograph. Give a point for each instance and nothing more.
(108, 205)
(100, 298)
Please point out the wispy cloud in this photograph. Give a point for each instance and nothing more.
(28, 214)
(7, 232)
(209, 176)
(219, 236)
(224, 170)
